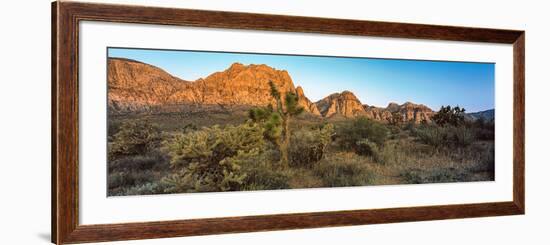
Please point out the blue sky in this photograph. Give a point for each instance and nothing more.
(374, 81)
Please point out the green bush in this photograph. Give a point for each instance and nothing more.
(431, 135)
(449, 116)
(211, 159)
(309, 146)
(366, 147)
(262, 177)
(462, 136)
(134, 138)
(362, 128)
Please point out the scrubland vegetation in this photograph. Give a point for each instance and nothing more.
(276, 148)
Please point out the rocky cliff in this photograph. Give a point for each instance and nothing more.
(348, 105)
(407, 111)
(306, 103)
(135, 86)
(345, 104)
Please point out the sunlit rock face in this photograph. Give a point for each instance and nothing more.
(136, 87)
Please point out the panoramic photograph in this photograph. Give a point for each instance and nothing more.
(204, 121)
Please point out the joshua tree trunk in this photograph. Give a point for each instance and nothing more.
(285, 143)
(290, 109)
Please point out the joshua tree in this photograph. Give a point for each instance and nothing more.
(276, 120)
(447, 115)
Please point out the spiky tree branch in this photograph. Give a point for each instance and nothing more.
(277, 120)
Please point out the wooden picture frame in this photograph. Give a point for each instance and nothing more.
(65, 121)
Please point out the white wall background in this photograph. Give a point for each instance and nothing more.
(25, 121)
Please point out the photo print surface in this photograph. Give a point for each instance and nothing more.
(205, 121)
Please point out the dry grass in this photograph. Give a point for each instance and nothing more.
(403, 158)
(415, 162)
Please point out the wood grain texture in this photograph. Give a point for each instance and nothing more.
(519, 122)
(234, 20)
(54, 123)
(149, 230)
(65, 221)
(65, 150)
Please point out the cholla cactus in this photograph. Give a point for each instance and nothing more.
(209, 159)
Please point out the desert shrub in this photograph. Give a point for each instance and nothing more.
(431, 135)
(484, 134)
(409, 126)
(112, 128)
(189, 127)
(445, 136)
(402, 152)
(211, 159)
(153, 160)
(144, 189)
(397, 132)
(134, 138)
(486, 162)
(116, 180)
(461, 136)
(366, 147)
(484, 130)
(339, 170)
(260, 172)
(127, 179)
(263, 177)
(309, 146)
(412, 177)
(442, 175)
(362, 128)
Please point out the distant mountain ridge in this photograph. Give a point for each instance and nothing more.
(344, 103)
(348, 105)
(487, 115)
(139, 87)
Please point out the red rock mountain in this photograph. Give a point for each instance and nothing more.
(305, 102)
(409, 112)
(136, 87)
(346, 104)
